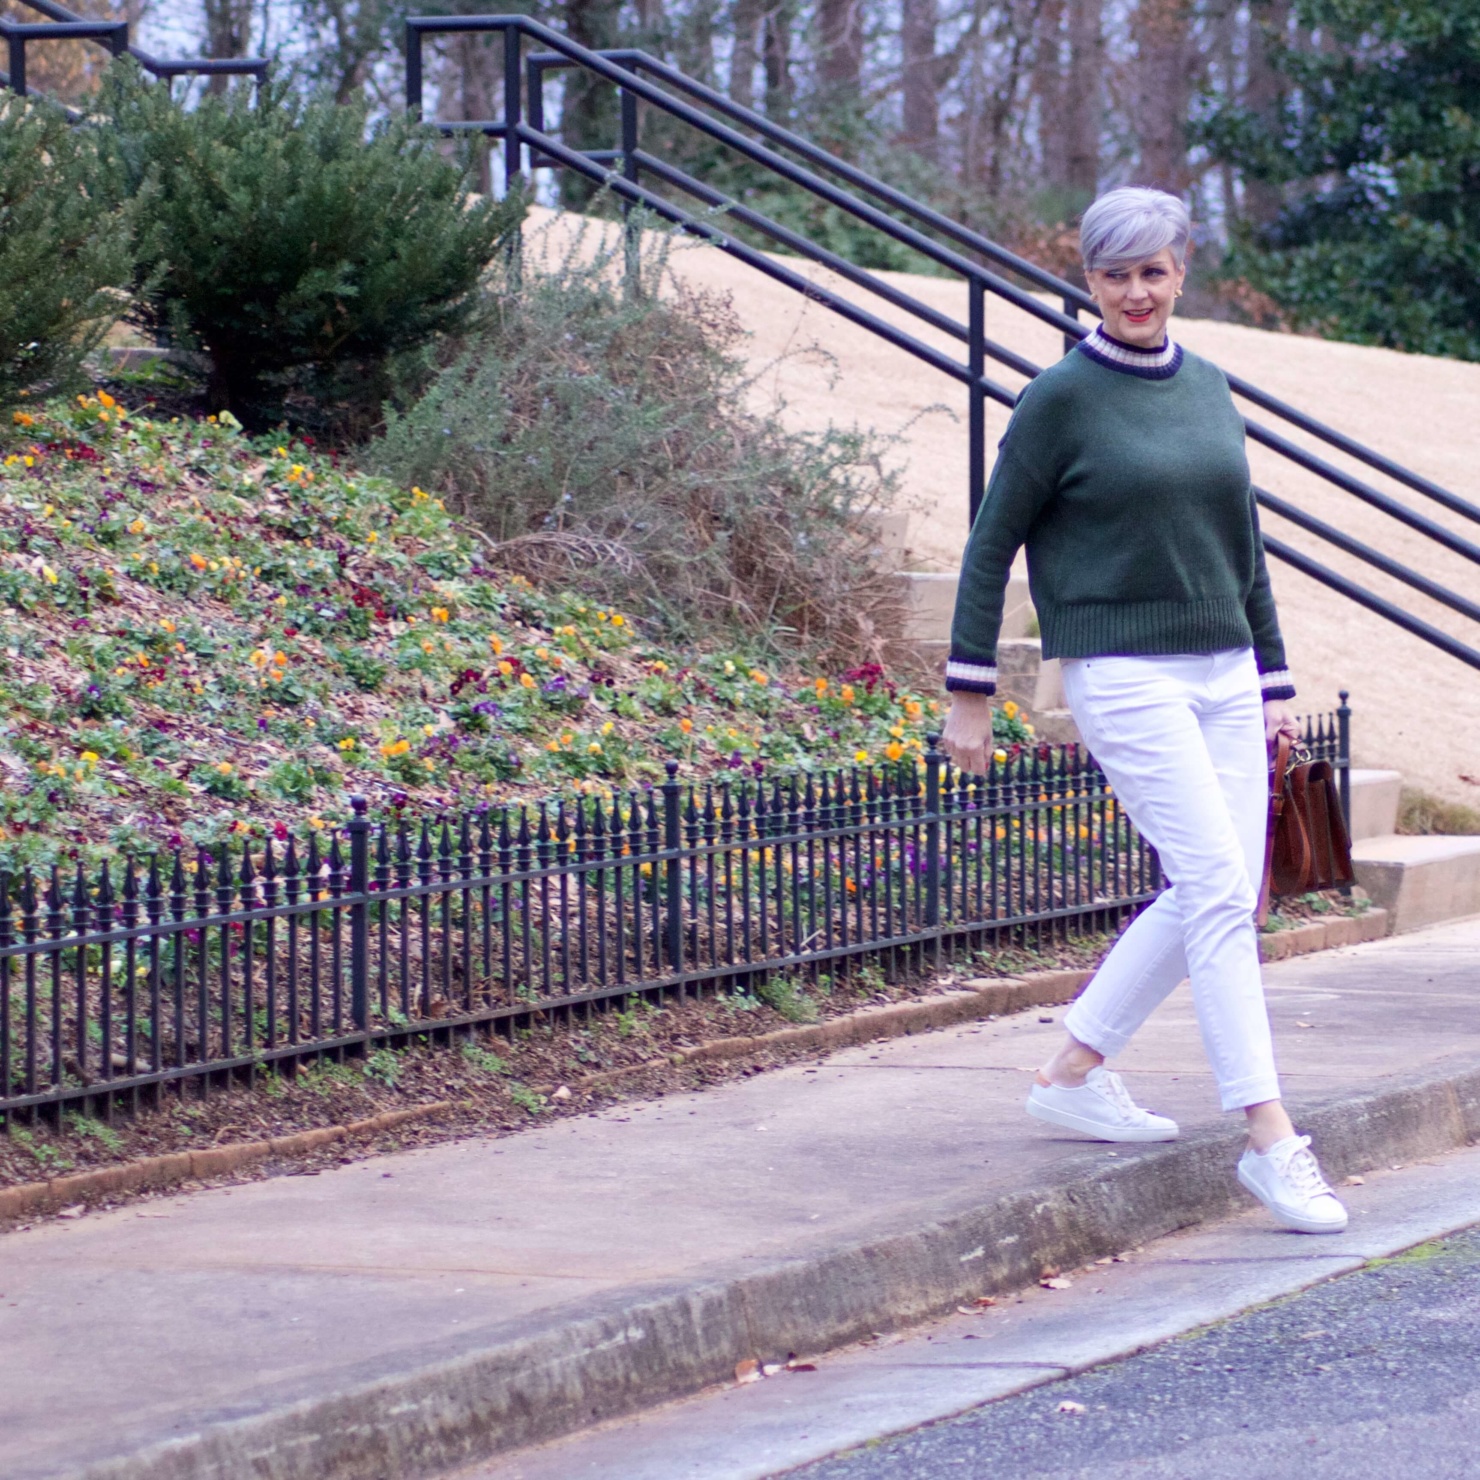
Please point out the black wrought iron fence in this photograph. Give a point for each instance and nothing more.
(199, 971)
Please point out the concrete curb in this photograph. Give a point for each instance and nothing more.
(506, 1387)
(1324, 935)
(31, 1199)
(981, 998)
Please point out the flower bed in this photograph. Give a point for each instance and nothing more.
(208, 634)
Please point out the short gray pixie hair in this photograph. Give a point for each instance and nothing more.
(1128, 225)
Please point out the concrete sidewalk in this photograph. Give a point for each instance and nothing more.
(407, 1314)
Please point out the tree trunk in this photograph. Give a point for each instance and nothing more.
(745, 53)
(1264, 96)
(693, 40)
(477, 77)
(589, 113)
(840, 47)
(1165, 58)
(920, 84)
(228, 33)
(776, 53)
(1048, 85)
(1081, 99)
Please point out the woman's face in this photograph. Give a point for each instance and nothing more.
(1136, 302)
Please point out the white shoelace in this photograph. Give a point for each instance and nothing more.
(1300, 1169)
(1111, 1087)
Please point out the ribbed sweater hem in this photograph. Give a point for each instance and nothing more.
(1095, 629)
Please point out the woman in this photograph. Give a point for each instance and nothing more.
(1123, 472)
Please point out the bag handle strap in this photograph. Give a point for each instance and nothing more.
(1278, 768)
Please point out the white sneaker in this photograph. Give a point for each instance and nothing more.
(1100, 1107)
(1287, 1180)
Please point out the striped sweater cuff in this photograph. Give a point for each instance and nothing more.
(969, 677)
(1277, 684)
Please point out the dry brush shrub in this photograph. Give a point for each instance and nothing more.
(611, 440)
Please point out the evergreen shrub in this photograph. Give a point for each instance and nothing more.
(64, 250)
(609, 440)
(311, 259)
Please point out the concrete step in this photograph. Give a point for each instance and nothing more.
(1023, 675)
(888, 533)
(1420, 881)
(1374, 803)
(932, 599)
(1055, 725)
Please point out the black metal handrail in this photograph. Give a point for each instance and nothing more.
(620, 170)
(1074, 298)
(63, 24)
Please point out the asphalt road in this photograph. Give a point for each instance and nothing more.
(1376, 1374)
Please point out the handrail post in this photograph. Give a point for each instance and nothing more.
(513, 145)
(632, 241)
(1344, 763)
(413, 69)
(1072, 309)
(513, 111)
(673, 868)
(976, 352)
(17, 48)
(358, 829)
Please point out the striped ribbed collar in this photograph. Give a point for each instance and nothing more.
(1130, 359)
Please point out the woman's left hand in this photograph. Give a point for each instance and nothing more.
(1279, 719)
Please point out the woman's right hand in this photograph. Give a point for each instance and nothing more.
(967, 737)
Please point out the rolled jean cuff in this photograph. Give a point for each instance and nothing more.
(1091, 1032)
(1254, 1090)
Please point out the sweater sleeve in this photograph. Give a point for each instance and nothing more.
(1264, 623)
(1013, 499)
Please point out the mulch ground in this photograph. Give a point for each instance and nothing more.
(496, 1085)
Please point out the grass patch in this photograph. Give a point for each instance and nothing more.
(1421, 814)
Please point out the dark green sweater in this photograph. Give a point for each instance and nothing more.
(1130, 489)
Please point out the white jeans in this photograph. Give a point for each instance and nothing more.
(1181, 740)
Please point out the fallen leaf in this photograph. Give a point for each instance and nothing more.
(985, 1300)
(1048, 1271)
(75, 1211)
(771, 1369)
(748, 1371)
(801, 1366)
(1355, 1181)
(563, 1093)
(1305, 1025)
(1108, 1259)
(1058, 1282)
(1070, 1406)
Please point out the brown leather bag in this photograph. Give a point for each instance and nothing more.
(1306, 845)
